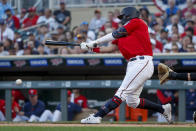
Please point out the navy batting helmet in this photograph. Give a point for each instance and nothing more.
(127, 14)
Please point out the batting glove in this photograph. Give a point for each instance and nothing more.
(84, 46)
(92, 44)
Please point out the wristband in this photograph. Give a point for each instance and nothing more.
(96, 50)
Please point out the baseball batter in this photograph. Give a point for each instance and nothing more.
(133, 41)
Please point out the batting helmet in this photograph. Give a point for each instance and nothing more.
(127, 14)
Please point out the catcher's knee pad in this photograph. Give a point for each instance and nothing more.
(133, 102)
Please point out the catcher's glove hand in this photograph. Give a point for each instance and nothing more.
(194, 116)
(163, 73)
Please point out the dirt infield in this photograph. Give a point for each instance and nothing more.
(98, 125)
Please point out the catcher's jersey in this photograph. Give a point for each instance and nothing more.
(137, 42)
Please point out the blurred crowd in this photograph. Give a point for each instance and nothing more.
(171, 31)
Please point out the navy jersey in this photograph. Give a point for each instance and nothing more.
(190, 103)
(73, 109)
(37, 109)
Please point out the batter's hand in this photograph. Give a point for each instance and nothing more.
(84, 46)
(92, 44)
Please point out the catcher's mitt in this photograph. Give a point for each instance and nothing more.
(194, 116)
(163, 72)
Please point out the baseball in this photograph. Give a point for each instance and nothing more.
(18, 81)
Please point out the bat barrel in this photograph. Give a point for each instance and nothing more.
(60, 43)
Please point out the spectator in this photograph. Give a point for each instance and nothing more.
(18, 97)
(61, 33)
(154, 49)
(47, 19)
(175, 29)
(31, 37)
(8, 44)
(156, 27)
(189, 8)
(22, 16)
(19, 46)
(2, 116)
(144, 13)
(97, 22)
(85, 27)
(64, 51)
(31, 19)
(185, 42)
(175, 20)
(190, 104)
(12, 21)
(159, 45)
(2, 51)
(63, 16)
(190, 32)
(111, 20)
(40, 50)
(174, 48)
(189, 24)
(190, 48)
(15, 108)
(163, 38)
(73, 109)
(32, 110)
(4, 5)
(5, 32)
(174, 40)
(69, 36)
(116, 14)
(42, 33)
(172, 9)
(79, 99)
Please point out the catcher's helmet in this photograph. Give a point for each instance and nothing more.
(127, 14)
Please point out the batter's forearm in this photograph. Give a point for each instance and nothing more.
(108, 49)
(106, 38)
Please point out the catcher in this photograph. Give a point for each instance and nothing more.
(165, 74)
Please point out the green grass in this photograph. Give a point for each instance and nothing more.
(21, 128)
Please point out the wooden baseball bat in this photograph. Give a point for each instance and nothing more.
(60, 43)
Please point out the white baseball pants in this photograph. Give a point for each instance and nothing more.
(32, 118)
(138, 71)
(2, 117)
(47, 115)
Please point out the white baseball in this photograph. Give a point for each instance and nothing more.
(18, 81)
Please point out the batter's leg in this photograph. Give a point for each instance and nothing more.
(109, 106)
(103, 111)
(146, 104)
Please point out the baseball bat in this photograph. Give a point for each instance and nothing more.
(60, 43)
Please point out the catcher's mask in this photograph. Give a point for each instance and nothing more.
(127, 14)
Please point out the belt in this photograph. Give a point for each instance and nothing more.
(138, 58)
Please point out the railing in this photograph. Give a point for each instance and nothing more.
(181, 86)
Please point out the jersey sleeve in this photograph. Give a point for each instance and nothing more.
(132, 25)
